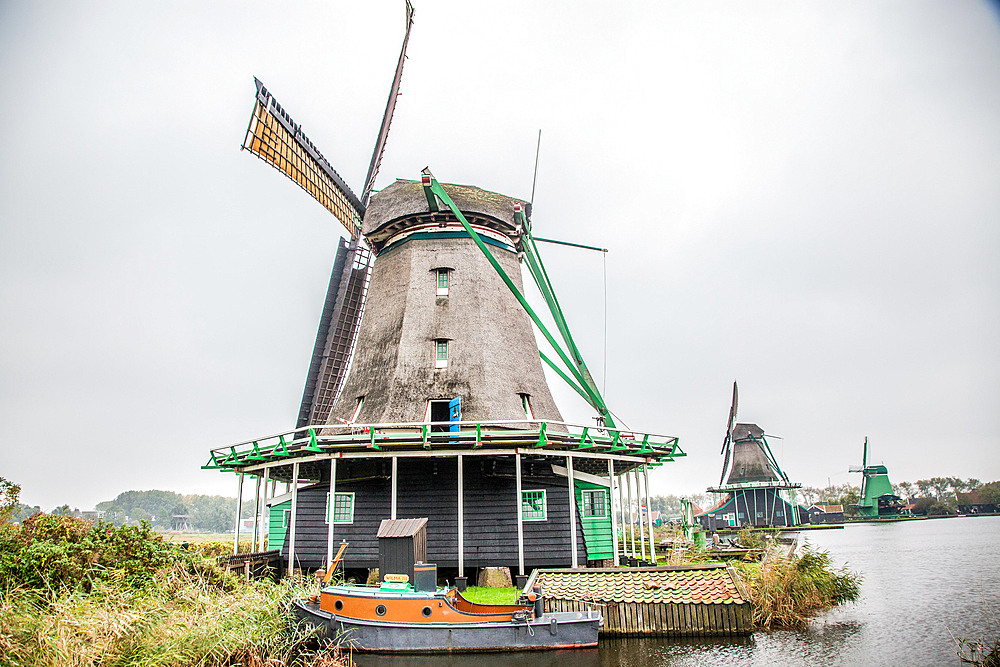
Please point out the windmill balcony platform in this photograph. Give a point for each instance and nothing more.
(415, 439)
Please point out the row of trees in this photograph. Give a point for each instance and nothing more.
(212, 514)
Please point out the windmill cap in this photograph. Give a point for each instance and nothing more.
(390, 208)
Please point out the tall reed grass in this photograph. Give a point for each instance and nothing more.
(71, 595)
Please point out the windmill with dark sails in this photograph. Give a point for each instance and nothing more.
(751, 480)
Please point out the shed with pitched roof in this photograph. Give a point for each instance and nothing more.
(684, 601)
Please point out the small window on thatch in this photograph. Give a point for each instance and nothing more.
(357, 409)
(442, 282)
(441, 354)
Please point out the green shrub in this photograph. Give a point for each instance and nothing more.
(49, 552)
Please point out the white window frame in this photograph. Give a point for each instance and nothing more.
(438, 361)
(286, 518)
(442, 291)
(545, 505)
(604, 503)
(329, 512)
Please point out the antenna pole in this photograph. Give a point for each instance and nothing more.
(534, 177)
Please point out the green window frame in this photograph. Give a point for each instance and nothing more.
(442, 278)
(595, 503)
(343, 510)
(442, 350)
(533, 505)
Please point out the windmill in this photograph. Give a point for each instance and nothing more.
(276, 139)
(445, 411)
(751, 479)
(877, 497)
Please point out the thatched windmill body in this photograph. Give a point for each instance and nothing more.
(426, 395)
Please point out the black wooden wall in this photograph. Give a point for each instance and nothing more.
(428, 487)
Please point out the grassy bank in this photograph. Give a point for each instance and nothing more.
(74, 593)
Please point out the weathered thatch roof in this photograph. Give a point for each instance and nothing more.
(404, 198)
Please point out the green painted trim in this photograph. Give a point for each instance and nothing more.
(596, 530)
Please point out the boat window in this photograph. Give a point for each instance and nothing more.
(380, 610)
(338, 605)
(594, 503)
(426, 611)
(533, 505)
(343, 508)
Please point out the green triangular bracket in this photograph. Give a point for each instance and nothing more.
(615, 447)
(542, 438)
(584, 438)
(282, 448)
(255, 454)
(313, 445)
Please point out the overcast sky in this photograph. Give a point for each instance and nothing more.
(802, 196)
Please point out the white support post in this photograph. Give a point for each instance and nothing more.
(649, 516)
(461, 517)
(631, 524)
(295, 507)
(611, 508)
(264, 514)
(256, 516)
(520, 517)
(621, 508)
(239, 511)
(572, 508)
(332, 507)
(392, 496)
(639, 506)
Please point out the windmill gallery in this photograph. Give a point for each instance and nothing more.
(426, 397)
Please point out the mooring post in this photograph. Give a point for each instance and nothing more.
(611, 508)
(520, 516)
(461, 518)
(295, 507)
(239, 511)
(572, 508)
(331, 508)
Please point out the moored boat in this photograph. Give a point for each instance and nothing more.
(394, 617)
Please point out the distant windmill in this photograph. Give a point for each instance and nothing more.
(751, 478)
(877, 497)
(275, 138)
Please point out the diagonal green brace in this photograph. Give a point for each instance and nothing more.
(313, 445)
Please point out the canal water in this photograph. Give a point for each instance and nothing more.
(924, 582)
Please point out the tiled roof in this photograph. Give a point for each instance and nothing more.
(702, 584)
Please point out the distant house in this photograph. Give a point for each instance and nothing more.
(826, 514)
(974, 503)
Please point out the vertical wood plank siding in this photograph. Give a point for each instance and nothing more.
(664, 620)
(490, 515)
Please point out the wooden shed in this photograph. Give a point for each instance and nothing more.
(401, 543)
(684, 601)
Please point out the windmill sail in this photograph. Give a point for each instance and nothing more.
(390, 108)
(727, 443)
(275, 138)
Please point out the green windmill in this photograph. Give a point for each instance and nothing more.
(877, 498)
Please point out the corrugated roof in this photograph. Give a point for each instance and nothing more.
(661, 585)
(400, 527)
